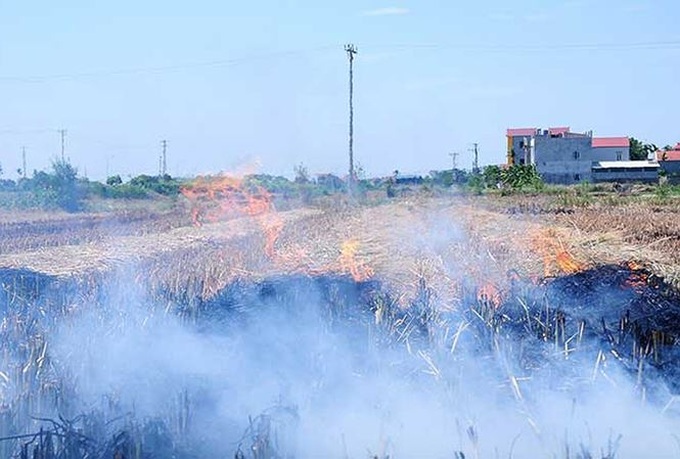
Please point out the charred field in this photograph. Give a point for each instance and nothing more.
(414, 329)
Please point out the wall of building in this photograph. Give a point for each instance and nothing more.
(628, 175)
(516, 146)
(564, 160)
(671, 167)
(611, 153)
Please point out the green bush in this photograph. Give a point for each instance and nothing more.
(58, 189)
(114, 180)
(123, 191)
(164, 185)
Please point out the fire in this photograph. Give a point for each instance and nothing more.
(634, 265)
(555, 256)
(567, 263)
(350, 263)
(638, 278)
(222, 197)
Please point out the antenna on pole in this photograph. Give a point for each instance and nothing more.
(351, 51)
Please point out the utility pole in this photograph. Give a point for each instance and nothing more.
(163, 160)
(351, 50)
(453, 156)
(62, 133)
(475, 164)
(23, 162)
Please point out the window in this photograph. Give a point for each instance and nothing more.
(619, 155)
(577, 155)
(521, 143)
(577, 177)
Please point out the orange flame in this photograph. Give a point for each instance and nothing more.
(222, 197)
(567, 263)
(349, 261)
(634, 265)
(638, 278)
(555, 256)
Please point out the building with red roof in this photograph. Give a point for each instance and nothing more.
(563, 156)
(670, 162)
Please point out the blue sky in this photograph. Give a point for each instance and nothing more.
(239, 84)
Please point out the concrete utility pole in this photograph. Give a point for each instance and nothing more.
(453, 156)
(23, 162)
(475, 164)
(62, 133)
(351, 50)
(163, 160)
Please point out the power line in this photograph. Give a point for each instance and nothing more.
(661, 44)
(475, 47)
(26, 131)
(165, 68)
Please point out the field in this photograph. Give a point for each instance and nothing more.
(435, 324)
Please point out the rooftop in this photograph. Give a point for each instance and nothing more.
(521, 132)
(557, 131)
(611, 142)
(669, 155)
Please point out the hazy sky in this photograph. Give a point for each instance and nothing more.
(232, 84)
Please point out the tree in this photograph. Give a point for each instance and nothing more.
(492, 175)
(65, 185)
(520, 176)
(59, 188)
(301, 174)
(114, 180)
(640, 150)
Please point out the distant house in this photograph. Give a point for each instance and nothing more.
(566, 157)
(669, 160)
(612, 148)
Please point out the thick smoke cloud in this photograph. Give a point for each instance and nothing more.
(333, 392)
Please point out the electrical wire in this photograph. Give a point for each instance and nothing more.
(165, 68)
(478, 48)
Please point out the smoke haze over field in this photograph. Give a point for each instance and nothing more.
(334, 382)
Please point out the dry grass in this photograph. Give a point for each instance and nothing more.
(444, 239)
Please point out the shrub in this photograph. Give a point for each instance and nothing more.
(164, 185)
